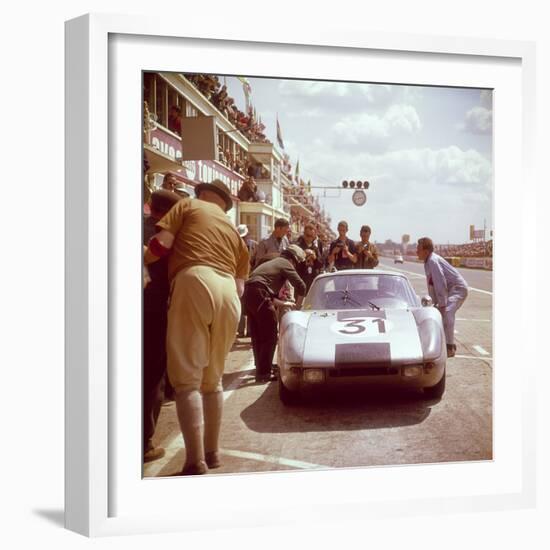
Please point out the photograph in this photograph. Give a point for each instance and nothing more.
(317, 274)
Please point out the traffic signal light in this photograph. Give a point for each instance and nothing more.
(355, 184)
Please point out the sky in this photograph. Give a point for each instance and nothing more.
(426, 151)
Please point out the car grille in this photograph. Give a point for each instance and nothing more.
(371, 370)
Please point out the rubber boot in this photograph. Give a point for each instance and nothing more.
(189, 408)
(212, 408)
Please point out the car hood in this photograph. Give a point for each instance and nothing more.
(339, 338)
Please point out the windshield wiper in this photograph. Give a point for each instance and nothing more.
(348, 298)
(374, 306)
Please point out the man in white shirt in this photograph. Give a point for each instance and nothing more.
(446, 286)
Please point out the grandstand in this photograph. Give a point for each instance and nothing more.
(467, 250)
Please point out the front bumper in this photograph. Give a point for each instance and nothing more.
(422, 375)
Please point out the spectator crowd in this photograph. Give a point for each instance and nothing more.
(247, 123)
(478, 249)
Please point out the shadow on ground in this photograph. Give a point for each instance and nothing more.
(337, 411)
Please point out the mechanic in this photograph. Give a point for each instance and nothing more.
(207, 265)
(342, 251)
(446, 286)
(261, 299)
(367, 253)
(155, 301)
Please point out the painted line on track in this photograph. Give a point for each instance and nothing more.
(424, 276)
(481, 350)
(273, 459)
(473, 357)
(474, 320)
(176, 443)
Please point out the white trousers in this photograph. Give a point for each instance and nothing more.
(454, 302)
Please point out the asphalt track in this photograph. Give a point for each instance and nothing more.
(365, 429)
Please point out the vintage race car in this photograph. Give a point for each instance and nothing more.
(361, 327)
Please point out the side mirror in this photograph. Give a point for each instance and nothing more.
(426, 301)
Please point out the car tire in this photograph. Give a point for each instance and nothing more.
(437, 391)
(287, 397)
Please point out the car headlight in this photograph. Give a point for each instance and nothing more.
(314, 376)
(411, 371)
(294, 343)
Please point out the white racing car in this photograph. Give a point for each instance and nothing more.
(361, 327)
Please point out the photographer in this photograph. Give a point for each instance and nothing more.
(367, 252)
(342, 251)
(313, 249)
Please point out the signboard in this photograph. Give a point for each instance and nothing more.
(359, 197)
(479, 263)
(199, 138)
(195, 171)
(207, 171)
(476, 233)
(166, 144)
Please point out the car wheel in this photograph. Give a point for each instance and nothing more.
(437, 391)
(287, 397)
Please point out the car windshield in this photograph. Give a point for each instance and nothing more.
(355, 291)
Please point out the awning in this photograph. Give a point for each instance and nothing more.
(159, 162)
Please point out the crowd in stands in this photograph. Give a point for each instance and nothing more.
(253, 129)
(237, 163)
(478, 249)
(468, 250)
(247, 123)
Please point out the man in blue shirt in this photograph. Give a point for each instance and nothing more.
(446, 286)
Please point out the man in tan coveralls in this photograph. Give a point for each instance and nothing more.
(207, 265)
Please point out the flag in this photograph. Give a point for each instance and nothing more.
(247, 89)
(279, 135)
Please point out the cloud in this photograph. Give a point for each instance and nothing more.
(374, 132)
(315, 112)
(355, 94)
(479, 120)
(451, 170)
(378, 94)
(486, 98)
(309, 88)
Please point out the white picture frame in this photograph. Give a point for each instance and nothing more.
(102, 498)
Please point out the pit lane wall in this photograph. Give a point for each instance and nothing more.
(457, 261)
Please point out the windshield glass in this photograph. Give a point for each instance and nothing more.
(355, 291)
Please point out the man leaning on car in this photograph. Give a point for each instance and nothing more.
(446, 286)
(260, 298)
